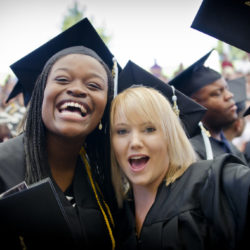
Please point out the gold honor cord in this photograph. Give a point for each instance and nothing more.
(94, 185)
(107, 207)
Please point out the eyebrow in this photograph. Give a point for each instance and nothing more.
(120, 124)
(66, 69)
(141, 124)
(218, 88)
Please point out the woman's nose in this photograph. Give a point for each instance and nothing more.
(135, 140)
(77, 90)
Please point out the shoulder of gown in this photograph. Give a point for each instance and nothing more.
(225, 195)
(209, 202)
(238, 153)
(199, 147)
(12, 162)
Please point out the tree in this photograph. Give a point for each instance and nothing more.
(232, 52)
(75, 14)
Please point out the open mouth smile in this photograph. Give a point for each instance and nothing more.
(138, 163)
(74, 107)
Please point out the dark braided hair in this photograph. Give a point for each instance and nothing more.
(35, 131)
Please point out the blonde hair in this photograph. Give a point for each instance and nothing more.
(151, 105)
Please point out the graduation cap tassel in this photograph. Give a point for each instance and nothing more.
(205, 136)
(115, 75)
(95, 187)
(174, 99)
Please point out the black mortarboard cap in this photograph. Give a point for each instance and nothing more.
(195, 77)
(190, 111)
(30, 66)
(226, 20)
(238, 88)
(247, 112)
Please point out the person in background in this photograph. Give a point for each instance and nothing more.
(65, 133)
(247, 152)
(247, 145)
(175, 201)
(208, 88)
(227, 67)
(232, 131)
(232, 29)
(5, 133)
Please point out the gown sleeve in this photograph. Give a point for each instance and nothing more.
(12, 163)
(224, 200)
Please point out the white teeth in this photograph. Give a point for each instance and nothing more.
(73, 104)
(64, 106)
(136, 157)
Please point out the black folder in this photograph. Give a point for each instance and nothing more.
(34, 218)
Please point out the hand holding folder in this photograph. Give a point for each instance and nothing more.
(34, 218)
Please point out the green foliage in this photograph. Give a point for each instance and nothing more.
(233, 52)
(237, 53)
(102, 33)
(75, 14)
(219, 47)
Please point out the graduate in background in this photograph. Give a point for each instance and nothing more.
(232, 29)
(247, 146)
(208, 88)
(68, 86)
(238, 87)
(176, 202)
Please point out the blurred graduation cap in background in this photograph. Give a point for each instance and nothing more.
(195, 77)
(226, 20)
(28, 68)
(238, 88)
(247, 112)
(190, 111)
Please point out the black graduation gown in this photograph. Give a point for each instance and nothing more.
(206, 208)
(86, 220)
(198, 145)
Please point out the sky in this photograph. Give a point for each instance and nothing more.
(141, 30)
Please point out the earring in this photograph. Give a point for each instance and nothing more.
(100, 125)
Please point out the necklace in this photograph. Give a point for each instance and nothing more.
(96, 188)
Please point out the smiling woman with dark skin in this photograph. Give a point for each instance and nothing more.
(75, 97)
(61, 139)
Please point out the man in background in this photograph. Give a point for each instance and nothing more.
(238, 87)
(208, 87)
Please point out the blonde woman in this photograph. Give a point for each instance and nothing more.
(177, 203)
